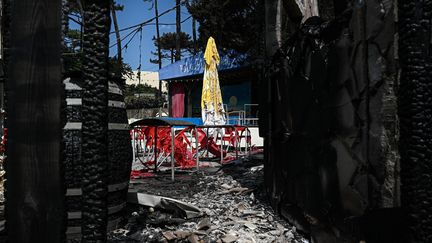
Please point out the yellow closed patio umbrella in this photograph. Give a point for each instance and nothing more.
(212, 109)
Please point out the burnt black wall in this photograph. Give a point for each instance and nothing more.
(415, 111)
(330, 120)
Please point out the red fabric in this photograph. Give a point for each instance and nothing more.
(204, 142)
(230, 136)
(137, 174)
(177, 99)
(182, 152)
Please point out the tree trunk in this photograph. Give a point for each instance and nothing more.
(117, 32)
(158, 35)
(172, 55)
(194, 34)
(94, 152)
(158, 43)
(178, 30)
(35, 190)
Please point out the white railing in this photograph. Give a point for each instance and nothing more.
(244, 117)
(250, 118)
(236, 117)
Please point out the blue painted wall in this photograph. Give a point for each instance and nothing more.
(234, 95)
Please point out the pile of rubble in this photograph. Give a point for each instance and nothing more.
(233, 209)
(2, 198)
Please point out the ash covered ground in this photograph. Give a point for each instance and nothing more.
(232, 201)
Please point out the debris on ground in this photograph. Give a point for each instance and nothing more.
(2, 180)
(223, 205)
(2, 197)
(152, 201)
(233, 208)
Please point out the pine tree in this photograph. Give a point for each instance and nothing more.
(236, 25)
(168, 45)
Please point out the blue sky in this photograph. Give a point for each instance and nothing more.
(137, 11)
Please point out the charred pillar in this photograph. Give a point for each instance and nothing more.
(95, 121)
(35, 191)
(415, 111)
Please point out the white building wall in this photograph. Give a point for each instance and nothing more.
(149, 78)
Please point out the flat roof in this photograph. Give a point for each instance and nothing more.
(194, 65)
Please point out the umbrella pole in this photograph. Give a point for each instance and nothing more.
(191, 138)
(133, 146)
(172, 153)
(235, 142)
(155, 148)
(207, 132)
(197, 148)
(221, 149)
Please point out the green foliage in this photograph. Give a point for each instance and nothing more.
(118, 7)
(75, 5)
(131, 90)
(72, 57)
(133, 102)
(142, 96)
(73, 41)
(168, 41)
(168, 45)
(73, 64)
(120, 69)
(235, 25)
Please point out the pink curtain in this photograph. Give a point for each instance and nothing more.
(177, 98)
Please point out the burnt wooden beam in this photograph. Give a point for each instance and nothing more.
(95, 121)
(35, 191)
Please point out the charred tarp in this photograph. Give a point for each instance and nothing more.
(330, 122)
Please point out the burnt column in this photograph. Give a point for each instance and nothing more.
(95, 120)
(415, 111)
(34, 205)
